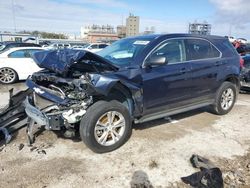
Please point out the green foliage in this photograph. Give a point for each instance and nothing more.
(46, 35)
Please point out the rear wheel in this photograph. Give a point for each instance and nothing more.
(106, 126)
(8, 75)
(225, 98)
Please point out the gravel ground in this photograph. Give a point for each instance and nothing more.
(157, 153)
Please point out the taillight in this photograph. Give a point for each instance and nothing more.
(241, 63)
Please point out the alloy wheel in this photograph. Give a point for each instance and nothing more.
(227, 99)
(109, 128)
(7, 75)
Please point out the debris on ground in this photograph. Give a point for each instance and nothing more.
(140, 180)
(6, 135)
(209, 176)
(153, 164)
(236, 173)
(21, 146)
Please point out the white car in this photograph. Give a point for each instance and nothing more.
(95, 47)
(17, 64)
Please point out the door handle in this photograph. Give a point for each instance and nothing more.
(183, 70)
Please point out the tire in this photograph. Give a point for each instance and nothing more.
(8, 75)
(225, 98)
(98, 134)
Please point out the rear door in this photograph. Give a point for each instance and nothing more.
(167, 86)
(205, 61)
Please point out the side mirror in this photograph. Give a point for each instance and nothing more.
(156, 60)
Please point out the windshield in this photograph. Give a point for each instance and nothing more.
(124, 51)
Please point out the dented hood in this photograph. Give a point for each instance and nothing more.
(59, 61)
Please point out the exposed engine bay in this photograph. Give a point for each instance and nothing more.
(75, 97)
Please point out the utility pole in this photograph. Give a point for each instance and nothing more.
(13, 14)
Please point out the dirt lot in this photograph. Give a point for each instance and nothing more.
(157, 153)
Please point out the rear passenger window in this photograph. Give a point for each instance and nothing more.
(200, 49)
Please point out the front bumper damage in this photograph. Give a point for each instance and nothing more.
(35, 114)
(53, 110)
(70, 83)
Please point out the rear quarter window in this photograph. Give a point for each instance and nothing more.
(227, 48)
(17, 54)
(200, 49)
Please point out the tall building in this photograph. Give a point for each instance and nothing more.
(132, 25)
(200, 28)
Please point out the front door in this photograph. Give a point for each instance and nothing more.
(167, 86)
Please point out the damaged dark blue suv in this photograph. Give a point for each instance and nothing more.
(132, 81)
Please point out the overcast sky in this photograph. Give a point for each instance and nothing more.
(167, 16)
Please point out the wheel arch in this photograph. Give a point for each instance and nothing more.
(233, 79)
(121, 93)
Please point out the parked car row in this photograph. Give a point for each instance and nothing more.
(92, 47)
(4, 46)
(16, 61)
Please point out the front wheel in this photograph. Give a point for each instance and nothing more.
(225, 98)
(106, 126)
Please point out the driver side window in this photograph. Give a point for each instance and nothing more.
(173, 50)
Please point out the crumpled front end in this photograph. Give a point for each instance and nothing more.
(70, 84)
(57, 102)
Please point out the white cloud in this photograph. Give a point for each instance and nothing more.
(235, 12)
(54, 16)
(232, 18)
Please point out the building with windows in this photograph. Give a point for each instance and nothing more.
(132, 25)
(121, 31)
(99, 33)
(200, 28)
